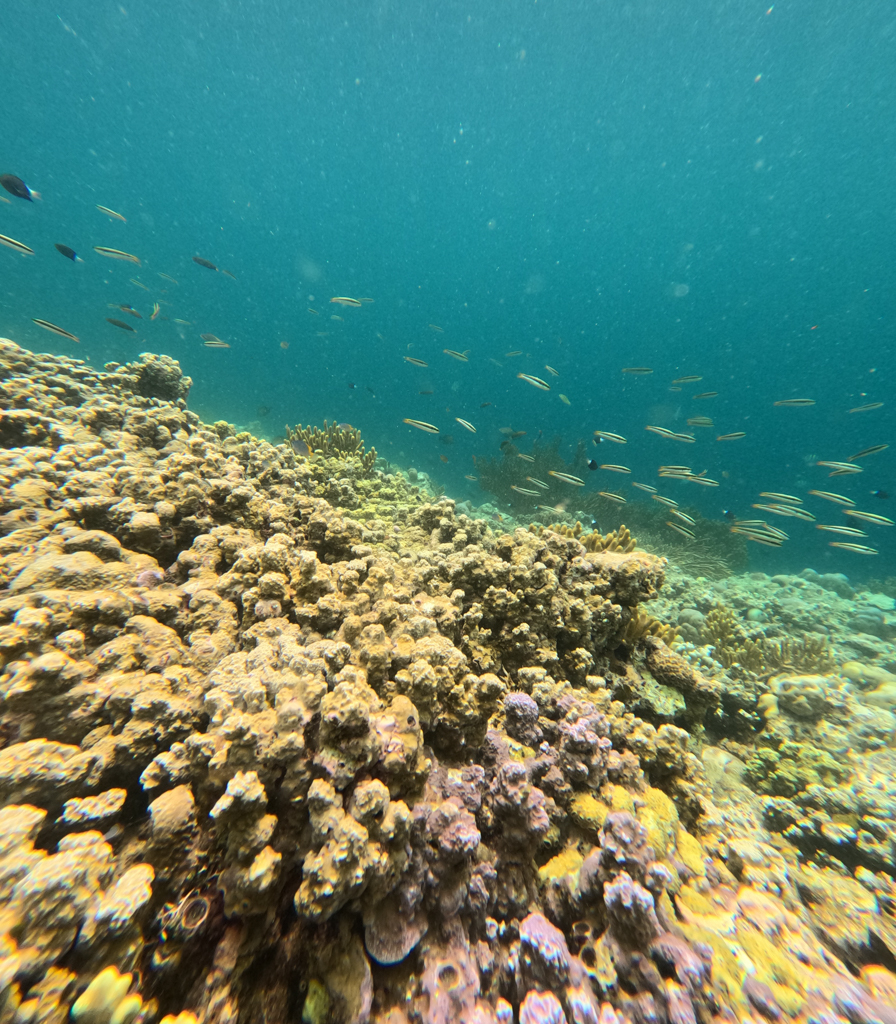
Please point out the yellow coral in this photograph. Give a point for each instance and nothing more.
(659, 816)
(588, 813)
(566, 864)
(105, 1000)
(334, 440)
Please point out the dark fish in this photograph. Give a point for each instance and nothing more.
(130, 309)
(880, 494)
(69, 253)
(204, 263)
(728, 514)
(300, 448)
(229, 274)
(121, 324)
(592, 463)
(484, 405)
(16, 187)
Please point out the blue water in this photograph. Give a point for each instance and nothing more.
(701, 188)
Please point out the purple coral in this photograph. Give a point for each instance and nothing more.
(542, 1008)
(521, 718)
(632, 912)
(544, 956)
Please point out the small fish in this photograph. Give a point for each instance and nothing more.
(777, 496)
(167, 277)
(707, 394)
(414, 362)
(645, 487)
(300, 447)
(460, 356)
(121, 324)
(859, 549)
(365, 299)
(683, 530)
(868, 517)
(139, 284)
(510, 355)
(879, 494)
(687, 438)
(116, 254)
(868, 407)
(567, 478)
(131, 311)
(605, 435)
(16, 187)
(484, 405)
(204, 263)
(611, 496)
(769, 540)
(525, 458)
(700, 421)
(214, 342)
(845, 467)
(637, 370)
(47, 326)
(665, 501)
(465, 424)
(435, 327)
(565, 400)
(849, 531)
(675, 469)
(11, 243)
(443, 458)
(538, 483)
(189, 323)
(426, 392)
(420, 425)
(284, 345)
(68, 252)
(662, 431)
(551, 370)
(674, 387)
(873, 450)
(736, 436)
(795, 403)
(687, 380)
(210, 337)
(155, 310)
(704, 481)
(525, 490)
(111, 213)
(335, 316)
(469, 476)
(229, 273)
(345, 300)
(786, 510)
(614, 468)
(314, 311)
(683, 516)
(536, 382)
(830, 496)
(593, 464)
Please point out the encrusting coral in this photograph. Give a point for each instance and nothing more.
(357, 761)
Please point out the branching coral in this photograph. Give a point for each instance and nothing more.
(334, 441)
(763, 657)
(619, 540)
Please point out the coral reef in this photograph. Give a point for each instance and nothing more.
(282, 742)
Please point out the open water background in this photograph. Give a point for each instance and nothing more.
(699, 187)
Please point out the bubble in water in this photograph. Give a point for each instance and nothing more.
(680, 290)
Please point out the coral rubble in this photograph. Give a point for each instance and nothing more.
(283, 739)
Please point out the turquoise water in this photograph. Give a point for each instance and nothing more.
(699, 188)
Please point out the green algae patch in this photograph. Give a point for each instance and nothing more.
(565, 865)
(588, 812)
(659, 816)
